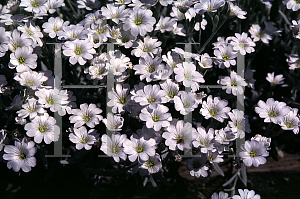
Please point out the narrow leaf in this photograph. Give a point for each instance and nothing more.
(218, 169)
(230, 180)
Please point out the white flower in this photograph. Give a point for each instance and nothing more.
(177, 14)
(113, 146)
(113, 122)
(265, 140)
(36, 6)
(119, 98)
(185, 102)
(4, 41)
(199, 97)
(221, 195)
(293, 61)
(54, 25)
(172, 59)
(156, 118)
(87, 114)
(98, 68)
(205, 61)
(33, 32)
(242, 43)
(78, 51)
(88, 4)
(57, 100)
(237, 11)
(254, 152)
(151, 96)
(239, 124)
(165, 24)
(292, 4)
(153, 164)
(296, 28)
(257, 34)
(203, 140)
(150, 46)
(53, 4)
(115, 13)
(277, 80)
(140, 21)
(225, 56)
(178, 29)
(272, 111)
(215, 108)
(17, 41)
(197, 166)
(32, 108)
(23, 59)
(171, 88)
(20, 156)
(186, 73)
(31, 79)
(165, 2)
(291, 121)
(82, 138)
(246, 194)
(103, 30)
(233, 84)
(214, 157)
(92, 19)
(221, 42)
(139, 149)
(72, 32)
(42, 127)
(223, 138)
(126, 39)
(148, 67)
(208, 6)
(178, 135)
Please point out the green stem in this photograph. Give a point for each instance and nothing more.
(212, 35)
(72, 8)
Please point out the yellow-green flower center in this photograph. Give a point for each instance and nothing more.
(151, 69)
(213, 111)
(147, 49)
(78, 51)
(30, 33)
(115, 16)
(55, 29)
(115, 149)
(205, 143)
(30, 82)
(43, 128)
(50, 100)
(86, 117)
(253, 154)
(138, 21)
(150, 163)
(171, 94)
(234, 83)
(16, 45)
(96, 41)
(151, 100)
(84, 140)
(188, 77)
(139, 149)
(101, 30)
(272, 113)
(186, 105)
(242, 44)
(31, 109)
(22, 155)
(122, 100)
(21, 60)
(225, 57)
(155, 118)
(35, 4)
(180, 139)
(297, 1)
(289, 123)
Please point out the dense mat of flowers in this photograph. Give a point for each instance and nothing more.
(161, 109)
